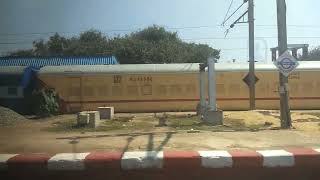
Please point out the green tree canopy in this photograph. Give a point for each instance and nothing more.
(314, 54)
(150, 45)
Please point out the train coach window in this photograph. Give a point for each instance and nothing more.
(12, 91)
(275, 87)
(176, 89)
(132, 90)
(116, 91)
(88, 91)
(306, 87)
(293, 88)
(161, 90)
(74, 91)
(103, 91)
(147, 90)
(190, 89)
(234, 89)
(263, 89)
(317, 87)
(220, 89)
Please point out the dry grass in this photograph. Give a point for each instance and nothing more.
(119, 123)
(306, 121)
(233, 121)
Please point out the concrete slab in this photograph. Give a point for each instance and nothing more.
(106, 112)
(213, 117)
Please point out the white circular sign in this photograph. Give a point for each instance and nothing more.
(286, 63)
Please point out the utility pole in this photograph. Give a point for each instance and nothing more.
(252, 79)
(282, 44)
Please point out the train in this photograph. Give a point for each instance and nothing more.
(175, 87)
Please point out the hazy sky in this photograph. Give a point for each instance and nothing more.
(22, 21)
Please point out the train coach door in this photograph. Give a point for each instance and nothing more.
(75, 94)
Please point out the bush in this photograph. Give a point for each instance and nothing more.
(45, 102)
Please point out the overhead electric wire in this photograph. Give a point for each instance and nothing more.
(225, 17)
(128, 30)
(260, 37)
(233, 13)
(198, 38)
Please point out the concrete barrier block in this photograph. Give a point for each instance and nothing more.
(82, 119)
(94, 118)
(213, 117)
(106, 112)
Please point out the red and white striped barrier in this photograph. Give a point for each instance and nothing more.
(295, 163)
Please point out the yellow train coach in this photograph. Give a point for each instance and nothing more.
(175, 87)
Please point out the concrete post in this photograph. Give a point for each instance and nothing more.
(305, 52)
(212, 115)
(274, 54)
(212, 84)
(295, 52)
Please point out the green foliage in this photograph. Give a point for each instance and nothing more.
(22, 53)
(45, 103)
(155, 34)
(155, 45)
(150, 45)
(314, 54)
(56, 44)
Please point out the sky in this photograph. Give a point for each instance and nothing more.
(198, 21)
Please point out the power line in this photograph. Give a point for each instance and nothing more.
(135, 29)
(233, 13)
(290, 25)
(225, 17)
(199, 38)
(8, 43)
(261, 37)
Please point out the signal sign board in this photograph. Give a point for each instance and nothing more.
(286, 63)
(246, 79)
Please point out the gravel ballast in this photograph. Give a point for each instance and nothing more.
(8, 116)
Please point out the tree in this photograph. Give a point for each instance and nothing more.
(150, 45)
(40, 48)
(314, 54)
(56, 45)
(156, 45)
(155, 34)
(22, 53)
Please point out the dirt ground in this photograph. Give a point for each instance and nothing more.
(137, 132)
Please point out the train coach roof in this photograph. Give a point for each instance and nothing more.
(12, 69)
(163, 68)
(123, 68)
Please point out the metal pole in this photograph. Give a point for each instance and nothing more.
(212, 84)
(305, 52)
(295, 53)
(251, 55)
(282, 44)
(202, 87)
(274, 54)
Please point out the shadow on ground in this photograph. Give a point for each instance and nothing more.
(150, 146)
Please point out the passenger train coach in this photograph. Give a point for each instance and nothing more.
(175, 87)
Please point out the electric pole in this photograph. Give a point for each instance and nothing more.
(252, 79)
(283, 80)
